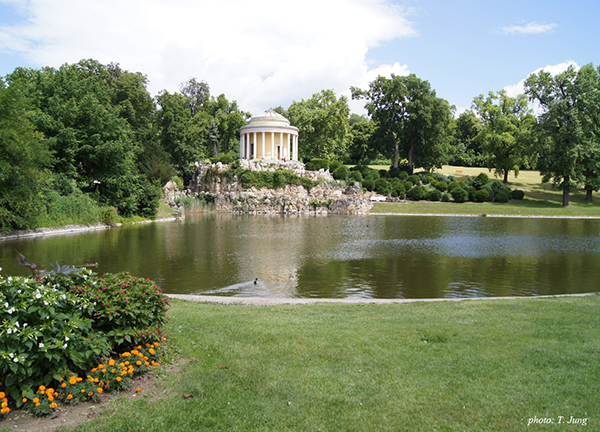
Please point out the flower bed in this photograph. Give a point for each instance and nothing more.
(65, 324)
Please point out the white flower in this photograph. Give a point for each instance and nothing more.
(16, 360)
(6, 304)
(0, 268)
(65, 346)
(45, 303)
(66, 338)
(11, 355)
(17, 324)
(24, 325)
(41, 345)
(37, 295)
(19, 291)
(9, 331)
(10, 278)
(10, 311)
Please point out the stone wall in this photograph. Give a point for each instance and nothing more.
(328, 196)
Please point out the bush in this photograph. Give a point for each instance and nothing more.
(178, 182)
(333, 165)
(502, 197)
(398, 190)
(356, 176)
(317, 164)
(383, 187)
(368, 183)
(481, 195)
(445, 197)
(109, 216)
(403, 175)
(226, 159)
(517, 194)
(416, 193)
(414, 179)
(453, 185)
(341, 173)
(435, 195)
(441, 185)
(471, 192)
(58, 323)
(459, 195)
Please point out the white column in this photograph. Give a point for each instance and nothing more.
(254, 144)
(263, 145)
(281, 139)
(295, 144)
(241, 146)
(273, 145)
(246, 145)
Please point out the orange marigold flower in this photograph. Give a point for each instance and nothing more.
(53, 405)
(90, 394)
(111, 362)
(63, 385)
(112, 370)
(79, 379)
(5, 410)
(139, 362)
(151, 351)
(37, 404)
(4, 404)
(42, 388)
(36, 400)
(138, 390)
(50, 397)
(70, 396)
(119, 379)
(24, 400)
(2, 395)
(99, 389)
(82, 390)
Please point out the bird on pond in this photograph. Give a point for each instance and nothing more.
(255, 281)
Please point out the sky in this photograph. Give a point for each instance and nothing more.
(269, 54)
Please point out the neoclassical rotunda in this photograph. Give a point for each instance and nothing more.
(269, 136)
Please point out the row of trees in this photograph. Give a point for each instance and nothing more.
(94, 130)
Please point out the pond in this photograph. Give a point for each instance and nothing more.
(371, 256)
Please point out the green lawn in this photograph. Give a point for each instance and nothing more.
(487, 365)
(540, 199)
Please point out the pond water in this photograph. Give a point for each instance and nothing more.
(372, 256)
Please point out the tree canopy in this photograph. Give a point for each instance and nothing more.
(569, 126)
(416, 120)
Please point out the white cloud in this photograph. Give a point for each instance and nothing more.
(531, 28)
(260, 54)
(519, 88)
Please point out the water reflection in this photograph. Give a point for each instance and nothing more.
(360, 256)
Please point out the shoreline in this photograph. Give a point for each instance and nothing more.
(72, 229)
(75, 229)
(277, 301)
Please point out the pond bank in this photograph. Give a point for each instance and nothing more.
(273, 301)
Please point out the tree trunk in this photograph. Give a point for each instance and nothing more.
(396, 147)
(411, 157)
(588, 195)
(505, 176)
(566, 196)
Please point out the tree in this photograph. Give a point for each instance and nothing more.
(414, 117)
(323, 124)
(229, 119)
(568, 139)
(213, 137)
(197, 94)
(505, 135)
(467, 149)
(23, 162)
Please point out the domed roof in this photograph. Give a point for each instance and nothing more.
(269, 117)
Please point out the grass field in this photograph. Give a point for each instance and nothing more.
(540, 199)
(487, 365)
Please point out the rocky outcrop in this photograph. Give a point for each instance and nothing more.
(326, 196)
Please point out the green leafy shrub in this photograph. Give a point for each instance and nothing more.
(333, 165)
(481, 195)
(490, 192)
(434, 195)
(368, 183)
(226, 159)
(416, 193)
(403, 175)
(459, 195)
(408, 185)
(109, 216)
(502, 197)
(356, 176)
(414, 179)
(441, 185)
(398, 190)
(178, 182)
(317, 164)
(383, 187)
(445, 197)
(341, 173)
(479, 181)
(66, 320)
(471, 193)
(517, 194)
(453, 185)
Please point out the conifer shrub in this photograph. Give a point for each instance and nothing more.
(459, 195)
(481, 195)
(333, 165)
(383, 187)
(435, 195)
(502, 196)
(341, 173)
(441, 185)
(399, 190)
(517, 194)
(445, 197)
(417, 193)
(414, 179)
(356, 176)
(403, 175)
(368, 183)
(317, 164)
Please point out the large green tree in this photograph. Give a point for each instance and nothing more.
(87, 120)
(323, 124)
(24, 160)
(466, 148)
(416, 120)
(506, 134)
(569, 135)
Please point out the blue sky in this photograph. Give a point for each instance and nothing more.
(272, 53)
